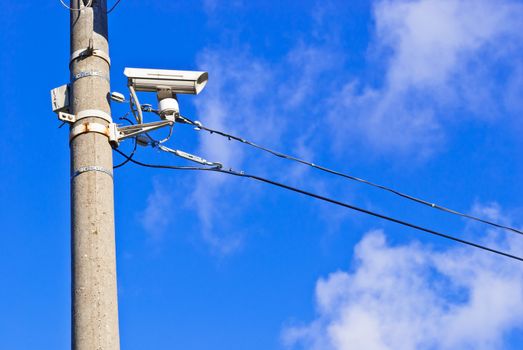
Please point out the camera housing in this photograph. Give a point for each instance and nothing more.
(176, 81)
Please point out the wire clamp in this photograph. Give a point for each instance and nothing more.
(86, 169)
(87, 52)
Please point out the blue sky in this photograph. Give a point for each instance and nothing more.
(423, 95)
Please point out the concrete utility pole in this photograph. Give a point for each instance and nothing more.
(94, 291)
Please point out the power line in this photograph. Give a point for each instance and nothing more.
(114, 6)
(157, 166)
(89, 4)
(330, 200)
(198, 125)
(128, 158)
(72, 9)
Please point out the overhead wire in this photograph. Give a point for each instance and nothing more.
(158, 166)
(114, 6)
(88, 5)
(199, 126)
(80, 9)
(165, 139)
(329, 200)
(127, 159)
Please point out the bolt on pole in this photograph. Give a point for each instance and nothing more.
(93, 255)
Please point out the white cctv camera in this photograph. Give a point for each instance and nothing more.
(175, 81)
(167, 104)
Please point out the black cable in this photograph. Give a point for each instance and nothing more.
(365, 211)
(78, 9)
(128, 158)
(330, 200)
(114, 6)
(350, 177)
(174, 167)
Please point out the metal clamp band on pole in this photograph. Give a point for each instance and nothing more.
(86, 169)
(89, 127)
(83, 53)
(92, 73)
(94, 113)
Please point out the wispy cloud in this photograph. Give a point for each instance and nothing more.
(302, 76)
(258, 100)
(233, 103)
(415, 297)
(440, 60)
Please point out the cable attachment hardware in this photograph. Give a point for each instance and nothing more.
(181, 119)
(198, 125)
(146, 107)
(87, 52)
(190, 157)
(66, 117)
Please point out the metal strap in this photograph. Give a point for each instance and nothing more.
(89, 127)
(89, 113)
(83, 53)
(92, 73)
(86, 169)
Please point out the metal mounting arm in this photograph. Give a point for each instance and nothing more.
(124, 132)
(114, 133)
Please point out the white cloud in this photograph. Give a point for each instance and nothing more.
(415, 297)
(431, 39)
(441, 57)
